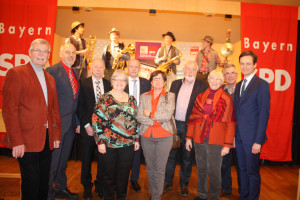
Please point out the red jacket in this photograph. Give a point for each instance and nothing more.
(221, 122)
(25, 112)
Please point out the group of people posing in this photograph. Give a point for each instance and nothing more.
(124, 114)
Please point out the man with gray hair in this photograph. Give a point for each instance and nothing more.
(32, 120)
(230, 75)
(186, 91)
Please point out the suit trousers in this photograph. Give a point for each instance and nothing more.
(116, 167)
(249, 170)
(186, 159)
(60, 158)
(209, 161)
(156, 152)
(89, 148)
(226, 171)
(135, 169)
(35, 168)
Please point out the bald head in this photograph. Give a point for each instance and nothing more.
(97, 68)
(133, 68)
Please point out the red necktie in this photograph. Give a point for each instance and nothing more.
(72, 83)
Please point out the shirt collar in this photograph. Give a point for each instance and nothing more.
(66, 67)
(249, 78)
(94, 79)
(189, 84)
(151, 92)
(35, 68)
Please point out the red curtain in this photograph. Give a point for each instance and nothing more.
(271, 32)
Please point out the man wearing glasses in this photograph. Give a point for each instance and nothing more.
(32, 120)
(230, 75)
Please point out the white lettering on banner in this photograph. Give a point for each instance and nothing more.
(30, 30)
(268, 75)
(255, 44)
(20, 59)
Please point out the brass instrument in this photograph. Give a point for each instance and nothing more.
(227, 49)
(91, 47)
(119, 63)
(165, 67)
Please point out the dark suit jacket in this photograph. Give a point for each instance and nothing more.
(86, 100)
(252, 111)
(199, 87)
(145, 86)
(25, 112)
(67, 103)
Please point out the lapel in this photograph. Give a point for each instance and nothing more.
(37, 83)
(237, 92)
(246, 93)
(90, 88)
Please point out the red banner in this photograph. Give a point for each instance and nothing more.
(271, 32)
(21, 22)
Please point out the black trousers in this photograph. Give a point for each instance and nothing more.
(35, 168)
(89, 148)
(116, 165)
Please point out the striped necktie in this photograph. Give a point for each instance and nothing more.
(244, 86)
(98, 90)
(72, 83)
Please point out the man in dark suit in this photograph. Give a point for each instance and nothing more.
(67, 91)
(136, 86)
(90, 90)
(252, 107)
(32, 120)
(186, 91)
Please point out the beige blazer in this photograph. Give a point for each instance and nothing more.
(163, 114)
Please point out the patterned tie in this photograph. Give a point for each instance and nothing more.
(98, 90)
(243, 87)
(134, 89)
(72, 83)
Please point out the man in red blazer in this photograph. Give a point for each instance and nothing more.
(32, 120)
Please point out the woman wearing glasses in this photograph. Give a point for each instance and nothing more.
(154, 113)
(116, 128)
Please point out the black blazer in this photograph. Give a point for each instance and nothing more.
(199, 87)
(145, 86)
(86, 100)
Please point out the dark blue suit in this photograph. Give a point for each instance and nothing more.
(252, 115)
(69, 121)
(145, 86)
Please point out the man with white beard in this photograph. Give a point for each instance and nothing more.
(186, 91)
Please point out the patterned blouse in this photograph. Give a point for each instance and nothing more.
(115, 122)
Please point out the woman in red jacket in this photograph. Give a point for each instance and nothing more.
(211, 127)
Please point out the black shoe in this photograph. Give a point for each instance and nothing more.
(198, 198)
(184, 191)
(87, 195)
(66, 194)
(135, 185)
(167, 187)
(99, 191)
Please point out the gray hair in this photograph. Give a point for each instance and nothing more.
(190, 62)
(62, 46)
(39, 41)
(119, 72)
(217, 73)
(229, 66)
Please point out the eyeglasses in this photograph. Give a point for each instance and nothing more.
(40, 51)
(119, 80)
(157, 79)
(230, 74)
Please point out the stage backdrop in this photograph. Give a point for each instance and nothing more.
(271, 32)
(21, 22)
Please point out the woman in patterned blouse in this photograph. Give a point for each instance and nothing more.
(116, 128)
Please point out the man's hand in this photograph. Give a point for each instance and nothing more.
(102, 148)
(18, 151)
(89, 130)
(188, 145)
(176, 62)
(146, 113)
(136, 146)
(77, 130)
(56, 144)
(256, 148)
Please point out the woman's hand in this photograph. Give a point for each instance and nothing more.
(136, 146)
(188, 145)
(102, 148)
(225, 151)
(146, 113)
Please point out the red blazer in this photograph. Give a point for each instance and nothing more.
(25, 112)
(221, 123)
